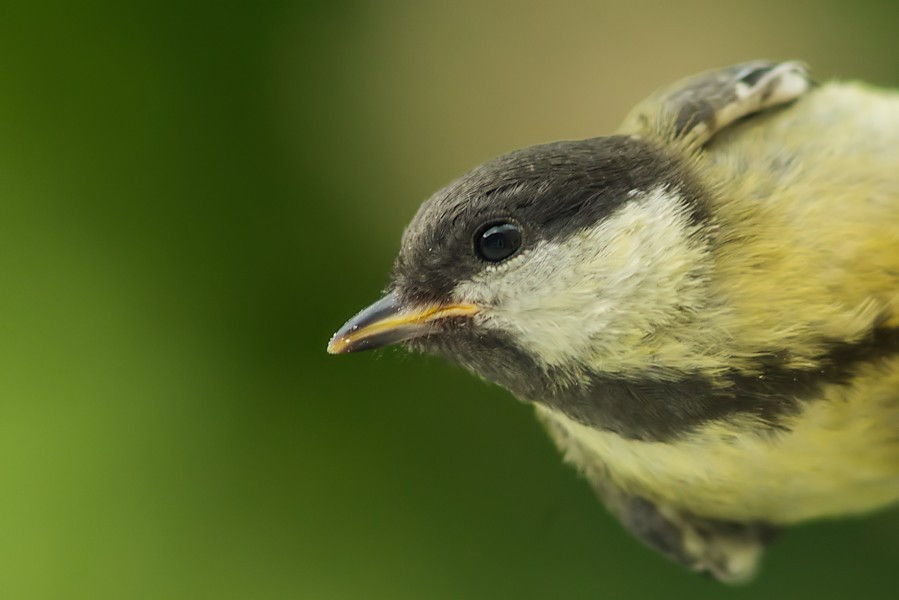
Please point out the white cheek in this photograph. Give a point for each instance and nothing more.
(621, 278)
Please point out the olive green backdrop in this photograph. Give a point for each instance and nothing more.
(195, 195)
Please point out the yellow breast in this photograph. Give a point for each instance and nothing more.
(839, 456)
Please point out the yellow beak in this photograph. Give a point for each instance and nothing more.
(389, 321)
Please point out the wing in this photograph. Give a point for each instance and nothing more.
(696, 108)
(729, 551)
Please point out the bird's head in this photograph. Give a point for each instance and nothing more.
(555, 259)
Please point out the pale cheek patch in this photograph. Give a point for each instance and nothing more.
(572, 300)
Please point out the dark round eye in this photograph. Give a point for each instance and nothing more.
(498, 241)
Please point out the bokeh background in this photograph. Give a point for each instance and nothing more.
(195, 195)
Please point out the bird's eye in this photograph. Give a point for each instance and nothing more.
(498, 241)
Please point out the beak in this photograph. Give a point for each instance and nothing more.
(389, 321)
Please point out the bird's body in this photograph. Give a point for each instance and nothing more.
(704, 312)
(809, 264)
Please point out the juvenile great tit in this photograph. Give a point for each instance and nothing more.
(703, 308)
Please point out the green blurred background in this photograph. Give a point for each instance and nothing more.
(194, 196)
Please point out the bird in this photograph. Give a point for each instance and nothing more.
(702, 308)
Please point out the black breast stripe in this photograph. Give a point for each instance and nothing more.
(655, 410)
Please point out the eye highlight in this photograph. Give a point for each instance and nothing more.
(497, 241)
